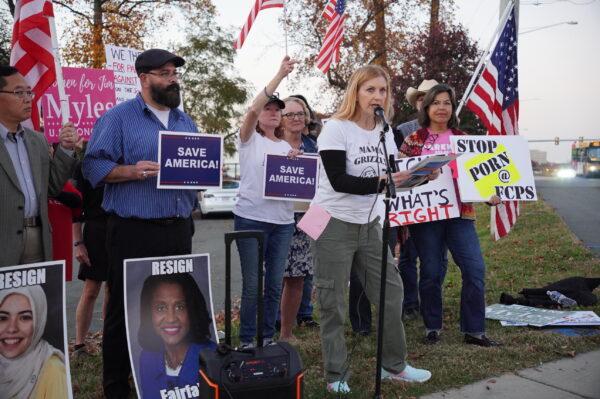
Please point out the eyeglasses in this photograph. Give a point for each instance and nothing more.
(22, 94)
(295, 115)
(166, 75)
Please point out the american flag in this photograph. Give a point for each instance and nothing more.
(330, 51)
(258, 6)
(31, 50)
(495, 100)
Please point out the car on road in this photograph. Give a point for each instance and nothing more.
(217, 200)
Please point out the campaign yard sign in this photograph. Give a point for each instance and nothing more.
(290, 179)
(121, 60)
(33, 328)
(494, 165)
(90, 93)
(189, 160)
(435, 200)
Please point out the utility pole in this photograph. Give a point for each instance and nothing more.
(380, 33)
(434, 17)
(98, 57)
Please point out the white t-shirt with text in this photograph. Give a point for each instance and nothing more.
(364, 158)
(251, 204)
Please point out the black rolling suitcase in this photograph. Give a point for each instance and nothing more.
(273, 371)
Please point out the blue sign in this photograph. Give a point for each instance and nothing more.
(189, 160)
(291, 179)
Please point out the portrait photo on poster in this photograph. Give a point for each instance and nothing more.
(170, 320)
(33, 337)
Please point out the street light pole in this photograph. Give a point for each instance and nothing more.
(548, 26)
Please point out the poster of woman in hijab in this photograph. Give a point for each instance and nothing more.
(33, 332)
(169, 315)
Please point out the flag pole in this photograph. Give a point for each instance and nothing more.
(60, 82)
(285, 27)
(492, 43)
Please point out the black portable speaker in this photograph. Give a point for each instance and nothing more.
(273, 371)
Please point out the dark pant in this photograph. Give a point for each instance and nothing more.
(410, 276)
(305, 311)
(127, 239)
(460, 237)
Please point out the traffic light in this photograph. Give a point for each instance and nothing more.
(556, 140)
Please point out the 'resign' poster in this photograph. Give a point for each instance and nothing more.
(170, 320)
(34, 361)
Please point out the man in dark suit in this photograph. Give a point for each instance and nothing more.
(28, 175)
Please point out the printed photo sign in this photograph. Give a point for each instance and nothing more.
(290, 179)
(33, 332)
(90, 93)
(121, 60)
(170, 320)
(189, 160)
(435, 200)
(494, 165)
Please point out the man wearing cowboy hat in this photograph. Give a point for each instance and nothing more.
(143, 221)
(415, 99)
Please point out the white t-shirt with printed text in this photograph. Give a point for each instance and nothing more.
(364, 158)
(251, 204)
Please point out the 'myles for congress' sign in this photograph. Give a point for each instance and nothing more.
(90, 93)
(494, 165)
(189, 160)
(290, 179)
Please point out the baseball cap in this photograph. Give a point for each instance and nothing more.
(155, 58)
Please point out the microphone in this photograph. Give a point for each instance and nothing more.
(380, 113)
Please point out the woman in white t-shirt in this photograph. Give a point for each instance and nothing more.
(353, 172)
(261, 134)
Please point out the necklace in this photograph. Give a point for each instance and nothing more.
(170, 363)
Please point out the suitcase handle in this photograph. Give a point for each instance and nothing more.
(229, 238)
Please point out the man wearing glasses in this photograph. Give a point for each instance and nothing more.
(143, 221)
(28, 174)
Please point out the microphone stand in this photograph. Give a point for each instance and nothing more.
(390, 192)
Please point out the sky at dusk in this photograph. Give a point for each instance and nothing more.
(558, 66)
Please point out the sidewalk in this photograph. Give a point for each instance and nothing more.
(574, 378)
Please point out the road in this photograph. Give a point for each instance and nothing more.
(577, 201)
(208, 239)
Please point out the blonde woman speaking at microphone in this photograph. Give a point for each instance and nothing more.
(353, 174)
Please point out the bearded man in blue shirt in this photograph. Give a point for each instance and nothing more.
(143, 221)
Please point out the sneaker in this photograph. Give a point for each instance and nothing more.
(409, 374)
(338, 387)
(246, 345)
(432, 338)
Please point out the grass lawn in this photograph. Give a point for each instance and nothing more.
(540, 249)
